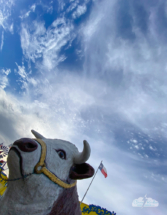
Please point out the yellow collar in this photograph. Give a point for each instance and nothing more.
(41, 168)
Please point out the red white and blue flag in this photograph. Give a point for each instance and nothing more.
(103, 170)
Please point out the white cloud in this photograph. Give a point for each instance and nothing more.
(81, 9)
(11, 28)
(136, 146)
(2, 40)
(134, 141)
(37, 42)
(2, 19)
(3, 78)
(72, 5)
(21, 121)
(133, 71)
(21, 72)
(5, 14)
(25, 15)
(57, 115)
(25, 77)
(33, 7)
(153, 149)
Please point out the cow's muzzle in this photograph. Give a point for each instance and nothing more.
(26, 144)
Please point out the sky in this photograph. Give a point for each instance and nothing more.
(94, 70)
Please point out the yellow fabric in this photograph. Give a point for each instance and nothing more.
(94, 210)
(44, 170)
(82, 205)
(3, 184)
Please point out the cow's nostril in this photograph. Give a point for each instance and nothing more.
(26, 145)
(30, 145)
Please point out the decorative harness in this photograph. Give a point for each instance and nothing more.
(41, 168)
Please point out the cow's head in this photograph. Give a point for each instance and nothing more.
(62, 158)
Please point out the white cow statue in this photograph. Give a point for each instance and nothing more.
(42, 177)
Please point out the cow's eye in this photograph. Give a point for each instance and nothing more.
(61, 154)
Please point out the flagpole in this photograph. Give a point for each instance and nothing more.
(90, 184)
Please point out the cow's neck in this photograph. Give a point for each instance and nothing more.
(38, 196)
(34, 194)
(67, 203)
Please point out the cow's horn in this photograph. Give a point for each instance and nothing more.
(84, 155)
(37, 135)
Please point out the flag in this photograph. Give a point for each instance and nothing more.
(5, 149)
(103, 170)
(1, 144)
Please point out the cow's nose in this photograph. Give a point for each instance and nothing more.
(26, 144)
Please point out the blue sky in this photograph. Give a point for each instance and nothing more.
(94, 70)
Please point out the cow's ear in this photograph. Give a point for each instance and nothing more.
(81, 171)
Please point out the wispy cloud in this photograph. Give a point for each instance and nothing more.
(81, 9)
(2, 40)
(127, 66)
(25, 15)
(21, 118)
(73, 5)
(39, 43)
(4, 78)
(24, 77)
(21, 71)
(5, 15)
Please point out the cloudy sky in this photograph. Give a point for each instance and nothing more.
(94, 70)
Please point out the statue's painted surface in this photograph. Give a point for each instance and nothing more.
(42, 177)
